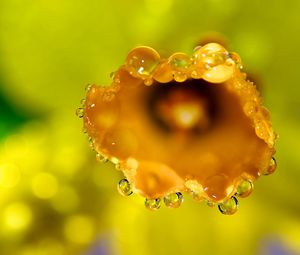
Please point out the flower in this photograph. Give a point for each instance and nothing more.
(183, 124)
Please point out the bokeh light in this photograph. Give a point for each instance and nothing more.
(17, 216)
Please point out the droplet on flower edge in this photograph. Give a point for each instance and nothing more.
(124, 187)
(272, 167)
(80, 112)
(152, 204)
(142, 61)
(173, 200)
(229, 207)
(245, 188)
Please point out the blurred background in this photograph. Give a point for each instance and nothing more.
(55, 198)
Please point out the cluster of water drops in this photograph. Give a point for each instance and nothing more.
(172, 200)
(211, 62)
(80, 109)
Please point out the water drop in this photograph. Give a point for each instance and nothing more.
(180, 62)
(141, 62)
(82, 102)
(124, 187)
(148, 82)
(210, 203)
(272, 166)
(173, 200)
(111, 75)
(152, 204)
(236, 58)
(245, 188)
(118, 166)
(91, 143)
(197, 73)
(180, 76)
(88, 88)
(101, 158)
(229, 207)
(80, 112)
(250, 108)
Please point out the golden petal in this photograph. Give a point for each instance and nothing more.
(208, 131)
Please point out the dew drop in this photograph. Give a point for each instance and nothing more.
(229, 207)
(82, 102)
(88, 88)
(111, 75)
(152, 204)
(210, 203)
(272, 166)
(80, 112)
(250, 108)
(124, 188)
(180, 62)
(245, 188)
(236, 58)
(142, 61)
(173, 200)
(148, 82)
(101, 158)
(180, 76)
(118, 166)
(197, 74)
(163, 72)
(91, 143)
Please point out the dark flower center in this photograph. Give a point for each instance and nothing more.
(183, 107)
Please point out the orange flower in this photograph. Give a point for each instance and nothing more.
(182, 124)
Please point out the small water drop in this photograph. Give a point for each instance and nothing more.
(180, 62)
(245, 188)
(152, 204)
(88, 88)
(197, 74)
(229, 207)
(148, 82)
(118, 166)
(80, 112)
(91, 143)
(272, 166)
(101, 158)
(173, 200)
(236, 58)
(142, 61)
(250, 108)
(82, 102)
(180, 76)
(210, 203)
(124, 188)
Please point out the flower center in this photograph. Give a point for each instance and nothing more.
(183, 107)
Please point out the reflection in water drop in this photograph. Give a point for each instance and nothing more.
(173, 200)
(245, 188)
(272, 167)
(80, 112)
(229, 207)
(152, 204)
(124, 187)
